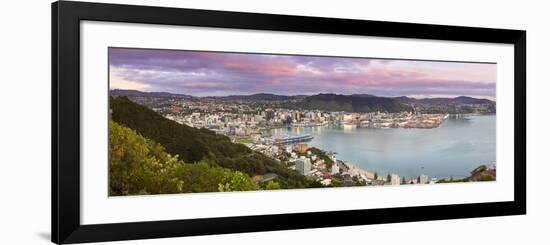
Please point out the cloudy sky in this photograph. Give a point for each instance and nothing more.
(218, 74)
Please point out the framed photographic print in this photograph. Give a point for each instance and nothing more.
(176, 122)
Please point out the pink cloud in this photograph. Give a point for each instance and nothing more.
(240, 73)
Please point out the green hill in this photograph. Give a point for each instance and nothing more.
(352, 103)
(140, 166)
(194, 145)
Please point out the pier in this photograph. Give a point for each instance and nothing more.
(293, 139)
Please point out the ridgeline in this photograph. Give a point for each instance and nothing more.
(352, 103)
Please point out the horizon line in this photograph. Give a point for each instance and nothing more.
(413, 97)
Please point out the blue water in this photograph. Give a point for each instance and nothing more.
(453, 149)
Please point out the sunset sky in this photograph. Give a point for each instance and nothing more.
(219, 74)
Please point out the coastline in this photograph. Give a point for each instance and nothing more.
(361, 168)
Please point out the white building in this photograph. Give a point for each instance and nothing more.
(423, 179)
(303, 165)
(334, 169)
(289, 149)
(348, 117)
(395, 180)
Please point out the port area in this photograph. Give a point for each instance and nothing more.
(292, 139)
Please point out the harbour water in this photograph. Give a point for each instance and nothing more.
(456, 147)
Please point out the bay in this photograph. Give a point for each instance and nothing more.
(456, 147)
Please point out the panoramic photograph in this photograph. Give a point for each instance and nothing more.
(185, 121)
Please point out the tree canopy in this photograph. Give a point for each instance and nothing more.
(139, 166)
(193, 145)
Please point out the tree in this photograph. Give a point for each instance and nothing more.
(375, 175)
(272, 185)
(403, 180)
(388, 179)
(336, 183)
(139, 166)
(322, 155)
(315, 184)
(236, 181)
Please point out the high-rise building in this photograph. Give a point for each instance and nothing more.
(423, 179)
(395, 180)
(298, 116)
(303, 165)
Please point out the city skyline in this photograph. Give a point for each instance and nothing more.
(201, 74)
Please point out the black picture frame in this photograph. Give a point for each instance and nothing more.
(65, 171)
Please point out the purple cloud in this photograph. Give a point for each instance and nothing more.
(218, 73)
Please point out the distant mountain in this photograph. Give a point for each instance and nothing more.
(363, 95)
(137, 93)
(253, 98)
(352, 103)
(471, 101)
(334, 102)
(434, 101)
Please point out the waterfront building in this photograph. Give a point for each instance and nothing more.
(423, 179)
(348, 117)
(348, 180)
(297, 116)
(302, 148)
(334, 169)
(395, 180)
(303, 165)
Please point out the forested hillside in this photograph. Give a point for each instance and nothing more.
(139, 166)
(352, 103)
(196, 145)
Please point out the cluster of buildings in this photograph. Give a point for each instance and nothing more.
(306, 162)
(301, 158)
(393, 120)
(237, 119)
(248, 124)
(241, 120)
